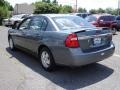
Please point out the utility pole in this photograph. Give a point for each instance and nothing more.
(118, 7)
(76, 6)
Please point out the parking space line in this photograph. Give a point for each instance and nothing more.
(116, 55)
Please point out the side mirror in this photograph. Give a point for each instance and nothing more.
(15, 25)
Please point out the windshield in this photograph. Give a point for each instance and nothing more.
(71, 22)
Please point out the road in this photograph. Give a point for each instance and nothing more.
(20, 71)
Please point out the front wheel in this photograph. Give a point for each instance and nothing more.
(47, 59)
(11, 44)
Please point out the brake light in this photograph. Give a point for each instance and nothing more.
(72, 41)
(95, 23)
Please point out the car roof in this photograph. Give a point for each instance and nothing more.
(79, 13)
(99, 15)
(53, 15)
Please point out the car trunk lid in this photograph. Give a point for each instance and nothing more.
(93, 39)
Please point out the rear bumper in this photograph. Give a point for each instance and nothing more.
(77, 58)
(89, 58)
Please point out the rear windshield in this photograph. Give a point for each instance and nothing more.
(107, 18)
(71, 22)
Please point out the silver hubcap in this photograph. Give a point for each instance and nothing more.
(11, 43)
(45, 59)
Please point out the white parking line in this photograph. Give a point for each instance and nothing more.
(116, 55)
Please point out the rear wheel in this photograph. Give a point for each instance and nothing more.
(11, 44)
(118, 29)
(47, 59)
(114, 30)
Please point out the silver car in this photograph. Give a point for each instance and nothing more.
(59, 39)
(14, 19)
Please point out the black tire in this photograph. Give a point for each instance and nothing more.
(11, 44)
(118, 30)
(51, 65)
(114, 30)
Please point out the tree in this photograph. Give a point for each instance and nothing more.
(48, 1)
(82, 10)
(43, 7)
(4, 12)
(93, 11)
(4, 8)
(66, 9)
(2, 2)
(43, 0)
(55, 2)
(100, 10)
(109, 10)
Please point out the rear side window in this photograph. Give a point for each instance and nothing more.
(107, 18)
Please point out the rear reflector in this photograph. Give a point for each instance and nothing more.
(72, 41)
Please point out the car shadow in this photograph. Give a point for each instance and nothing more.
(65, 77)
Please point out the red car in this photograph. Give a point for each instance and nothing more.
(103, 20)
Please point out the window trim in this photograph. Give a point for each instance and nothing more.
(23, 22)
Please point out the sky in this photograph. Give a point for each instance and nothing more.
(88, 4)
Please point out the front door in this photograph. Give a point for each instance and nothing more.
(21, 32)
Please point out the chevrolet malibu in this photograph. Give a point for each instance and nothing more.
(59, 39)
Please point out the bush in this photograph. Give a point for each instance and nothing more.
(3, 13)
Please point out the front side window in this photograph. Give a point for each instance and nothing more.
(24, 24)
(38, 23)
(71, 22)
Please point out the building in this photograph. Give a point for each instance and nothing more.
(23, 9)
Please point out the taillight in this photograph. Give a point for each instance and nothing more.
(95, 23)
(72, 41)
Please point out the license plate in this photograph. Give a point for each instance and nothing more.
(97, 41)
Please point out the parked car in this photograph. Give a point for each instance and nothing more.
(116, 24)
(59, 39)
(103, 20)
(83, 15)
(14, 19)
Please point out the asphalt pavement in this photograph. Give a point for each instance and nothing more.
(21, 71)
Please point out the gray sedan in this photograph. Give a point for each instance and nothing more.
(59, 39)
